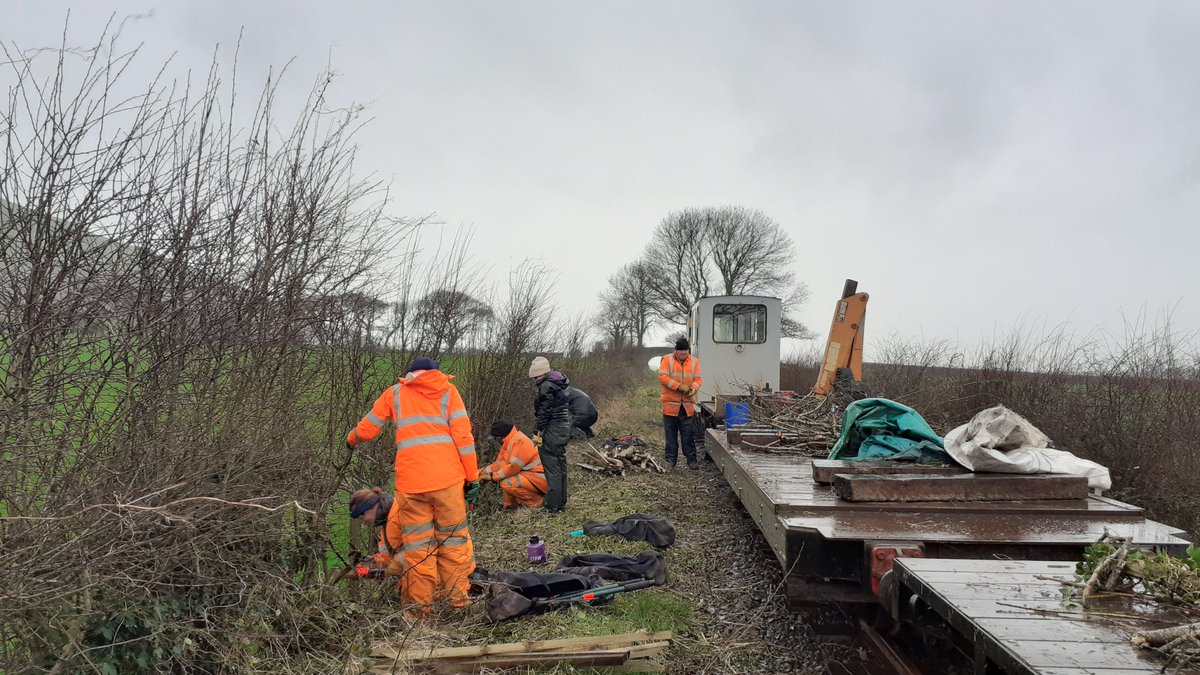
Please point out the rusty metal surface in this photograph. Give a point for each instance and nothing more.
(823, 470)
(787, 482)
(1018, 623)
(883, 651)
(968, 487)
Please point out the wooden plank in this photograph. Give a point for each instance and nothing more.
(1013, 591)
(985, 578)
(580, 659)
(638, 666)
(975, 566)
(423, 653)
(1054, 630)
(823, 470)
(973, 487)
(647, 650)
(1102, 671)
(1039, 654)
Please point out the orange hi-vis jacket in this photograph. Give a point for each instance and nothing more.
(434, 445)
(674, 377)
(517, 454)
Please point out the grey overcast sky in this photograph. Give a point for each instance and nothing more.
(973, 165)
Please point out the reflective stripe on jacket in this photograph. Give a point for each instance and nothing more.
(517, 454)
(674, 376)
(434, 445)
(389, 533)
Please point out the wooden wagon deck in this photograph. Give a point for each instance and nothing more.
(820, 538)
(1012, 612)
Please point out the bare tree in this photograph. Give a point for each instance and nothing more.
(679, 264)
(528, 310)
(633, 284)
(611, 319)
(732, 250)
(454, 314)
(627, 310)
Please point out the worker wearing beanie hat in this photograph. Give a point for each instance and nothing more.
(518, 467)
(423, 363)
(436, 477)
(679, 381)
(551, 409)
(539, 367)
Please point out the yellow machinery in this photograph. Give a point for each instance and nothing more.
(843, 351)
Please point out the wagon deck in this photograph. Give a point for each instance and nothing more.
(823, 541)
(1012, 616)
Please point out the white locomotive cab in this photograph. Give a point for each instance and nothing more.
(736, 338)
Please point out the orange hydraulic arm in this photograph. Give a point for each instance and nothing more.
(844, 349)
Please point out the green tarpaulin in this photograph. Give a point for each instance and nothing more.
(876, 428)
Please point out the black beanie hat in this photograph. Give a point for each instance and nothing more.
(500, 428)
(682, 343)
(423, 363)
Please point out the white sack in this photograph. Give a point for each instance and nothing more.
(998, 440)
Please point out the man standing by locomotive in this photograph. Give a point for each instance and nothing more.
(679, 379)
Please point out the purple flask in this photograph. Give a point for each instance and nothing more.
(536, 550)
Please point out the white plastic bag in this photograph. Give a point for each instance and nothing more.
(998, 440)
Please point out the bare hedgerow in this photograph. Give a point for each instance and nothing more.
(198, 300)
(185, 328)
(1129, 400)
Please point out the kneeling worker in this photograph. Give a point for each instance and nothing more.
(518, 468)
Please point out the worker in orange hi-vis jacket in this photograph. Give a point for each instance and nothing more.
(517, 469)
(436, 477)
(679, 380)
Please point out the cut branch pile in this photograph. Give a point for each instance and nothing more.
(1112, 566)
(616, 455)
(1181, 644)
(806, 425)
(625, 653)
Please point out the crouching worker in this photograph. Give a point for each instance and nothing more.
(372, 506)
(436, 476)
(517, 469)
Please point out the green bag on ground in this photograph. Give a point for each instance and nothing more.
(877, 428)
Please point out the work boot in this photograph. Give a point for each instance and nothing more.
(693, 465)
(670, 465)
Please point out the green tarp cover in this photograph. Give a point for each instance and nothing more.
(876, 428)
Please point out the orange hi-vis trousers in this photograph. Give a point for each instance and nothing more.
(527, 488)
(436, 548)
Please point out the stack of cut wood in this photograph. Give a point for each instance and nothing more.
(619, 454)
(625, 653)
(808, 425)
(778, 442)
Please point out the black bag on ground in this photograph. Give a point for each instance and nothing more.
(539, 585)
(646, 565)
(513, 594)
(656, 530)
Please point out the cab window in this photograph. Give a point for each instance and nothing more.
(740, 323)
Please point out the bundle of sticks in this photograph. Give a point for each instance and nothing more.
(617, 455)
(806, 425)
